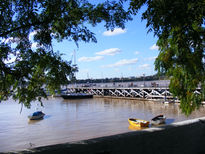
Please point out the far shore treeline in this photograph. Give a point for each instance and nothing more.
(123, 79)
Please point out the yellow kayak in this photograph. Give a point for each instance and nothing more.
(138, 122)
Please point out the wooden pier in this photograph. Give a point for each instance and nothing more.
(144, 90)
(135, 92)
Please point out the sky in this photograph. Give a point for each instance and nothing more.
(128, 52)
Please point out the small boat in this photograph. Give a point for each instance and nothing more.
(160, 119)
(76, 96)
(134, 128)
(36, 115)
(138, 122)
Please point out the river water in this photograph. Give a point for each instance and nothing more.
(74, 120)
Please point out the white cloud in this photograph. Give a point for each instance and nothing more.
(154, 47)
(10, 60)
(89, 59)
(144, 66)
(7, 40)
(123, 62)
(116, 31)
(32, 34)
(110, 52)
(34, 45)
(137, 52)
(11, 40)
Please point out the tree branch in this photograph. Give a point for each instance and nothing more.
(20, 27)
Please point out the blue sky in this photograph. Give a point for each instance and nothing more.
(121, 53)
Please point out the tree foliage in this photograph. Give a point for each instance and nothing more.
(180, 28)
(34, 70)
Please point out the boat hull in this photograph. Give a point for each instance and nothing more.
(76, 96)
(36, 117)
(160, 119)
(138, 122)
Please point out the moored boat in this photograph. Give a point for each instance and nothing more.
(138, 122)
(36, 115)
(76, 96)
(160, 119)
(134, 128)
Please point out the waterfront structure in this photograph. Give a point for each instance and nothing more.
(147, 90)
(138, 92)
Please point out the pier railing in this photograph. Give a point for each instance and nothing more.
(135, 92)
(146, 89)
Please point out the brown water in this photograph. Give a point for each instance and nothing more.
(73, 120)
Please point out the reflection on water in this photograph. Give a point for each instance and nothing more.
(73, 120)
(35, 121)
